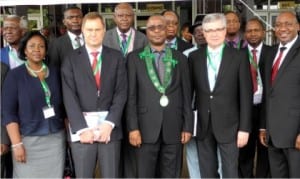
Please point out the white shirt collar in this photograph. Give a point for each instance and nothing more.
(127, 33)
(289, 44)
(73, 36)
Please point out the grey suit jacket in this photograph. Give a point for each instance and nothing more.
(228, 106)
(282, 99)
(59, 49)
(80, 90)
(143, 109)
(111, 40)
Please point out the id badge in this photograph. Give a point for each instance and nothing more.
(48, 112)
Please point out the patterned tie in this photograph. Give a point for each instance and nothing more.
(231, 44)
(94, 67)
(77, 39)
(124, 41)
(276, 65)
(160, 66)
(254, 67)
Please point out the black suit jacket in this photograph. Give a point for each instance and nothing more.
(229, 105)
(59, 49)
(282, 99)
(80, 91)
(182, 45)
(144, 112)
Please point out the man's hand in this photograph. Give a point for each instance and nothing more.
(263, 137)
(242, 139)
(4, 149)
(185, 137)
(87, 137)
(135, 138)
(297, 143)
(105, 130)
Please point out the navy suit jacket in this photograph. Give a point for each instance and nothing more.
(80, 90)
(4, 55)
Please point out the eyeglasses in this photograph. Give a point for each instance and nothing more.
(156, 27)
(284, 24)
(124, 15)
(214, 30)
(73, 17)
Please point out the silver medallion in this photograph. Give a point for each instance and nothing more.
(164, 101)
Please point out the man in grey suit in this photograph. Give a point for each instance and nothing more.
(94, 81)
(124, 37)
(159, 113)
(71, 40)
(222, 84)
(115, 38)
(280, 125)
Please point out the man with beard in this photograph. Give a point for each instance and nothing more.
(257, 53)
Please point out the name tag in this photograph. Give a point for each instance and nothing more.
(48, 112)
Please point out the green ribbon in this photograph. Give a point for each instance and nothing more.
(170, 63)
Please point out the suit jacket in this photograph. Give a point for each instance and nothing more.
(111, 40)
(4, 52)
(182, 45)
(80, 90)
(265, 51)
(59, 49)
(4, 135)
(144, 112)
(229, 105)
(282, 99)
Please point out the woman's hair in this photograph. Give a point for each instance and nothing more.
(25, 40)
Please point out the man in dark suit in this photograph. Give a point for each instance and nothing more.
(94, 80)
(172, 40)
(280, 125)
(222, 84)
(73, 39)
(14, 27)
(124, 37)
(5, 153)
(159, 114)
(257, 54)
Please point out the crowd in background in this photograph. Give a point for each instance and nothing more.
(126, 103)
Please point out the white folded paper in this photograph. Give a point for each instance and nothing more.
(92, 119)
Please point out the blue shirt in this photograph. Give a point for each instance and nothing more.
(23, 100)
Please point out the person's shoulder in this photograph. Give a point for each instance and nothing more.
(113, 52)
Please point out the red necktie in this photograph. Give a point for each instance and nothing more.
(94, 66)
(254, 67)
(276, 65)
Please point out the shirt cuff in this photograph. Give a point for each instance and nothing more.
(82, 130)
(110, 123)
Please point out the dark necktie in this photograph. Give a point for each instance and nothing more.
(124, 41)
(77, 39)
(254, 68)
(231, 44)
(275, 67)
(160, 66)
(94, 67)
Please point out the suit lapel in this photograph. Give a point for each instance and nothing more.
(84, 62)
(288, 59)
(225, 62)
(202, 60)
(116, 42)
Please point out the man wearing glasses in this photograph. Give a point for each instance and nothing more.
(222, 84)
(159, 113)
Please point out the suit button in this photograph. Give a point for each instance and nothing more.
(211, 97)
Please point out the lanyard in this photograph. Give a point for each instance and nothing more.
(44, 84)
(210, 62)
(98, 66)
(252, 62)
(124, 50)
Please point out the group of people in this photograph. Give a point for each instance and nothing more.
(130, 101)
